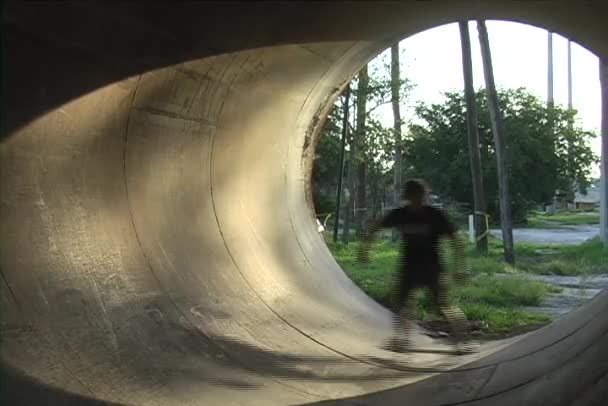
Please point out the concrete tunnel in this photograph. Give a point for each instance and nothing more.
(158, 240)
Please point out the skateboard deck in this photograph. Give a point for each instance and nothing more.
(427, 350)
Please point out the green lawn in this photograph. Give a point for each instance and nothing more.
(490, 296)
(588, 258)
(487, 298)
(563, 217)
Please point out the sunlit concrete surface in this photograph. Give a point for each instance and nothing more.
(158, 242)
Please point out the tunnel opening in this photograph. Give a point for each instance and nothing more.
(533, 304)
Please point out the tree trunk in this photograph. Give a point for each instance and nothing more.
(604, 155)
(341, 165)
(373, 195)
(351, 181)
(398, 167)
(349, 202)
(360, 140)
(473, 138)
(499, 145)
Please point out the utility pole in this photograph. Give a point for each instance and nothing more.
(569, 74)
(479, 201)
(604, 155)
(397, 168)
(341, 165)
(570, 123)
(360, 140)
(499, 145)
(550, 99)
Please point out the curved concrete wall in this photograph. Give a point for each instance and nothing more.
(158, 246)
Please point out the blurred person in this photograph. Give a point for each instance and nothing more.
(421, 227)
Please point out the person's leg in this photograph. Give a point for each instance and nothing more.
(403, 313)
(455, 317)
(404, 320)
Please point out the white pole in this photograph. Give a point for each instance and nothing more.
(604, 155)
(471, 228)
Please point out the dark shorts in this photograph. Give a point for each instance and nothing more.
(419, 276)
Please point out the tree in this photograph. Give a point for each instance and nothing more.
(500, 145)
(397, 168)
(341, 164)
(351, 182)
(375, 148)
(360, 142)
(436, 148)
(479, 206)
(326, 161)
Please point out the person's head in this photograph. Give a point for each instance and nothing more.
(415, 191)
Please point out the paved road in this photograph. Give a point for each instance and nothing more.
(562, 235)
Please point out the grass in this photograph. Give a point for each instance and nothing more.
(502, 321)
(489, 298)
(496, 302)
(376, 278)
(497, 291)
(504, 292)
(563, 218)
(586, 259)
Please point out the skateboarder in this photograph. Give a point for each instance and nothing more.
(421, 227)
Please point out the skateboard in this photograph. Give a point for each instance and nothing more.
(413, 349)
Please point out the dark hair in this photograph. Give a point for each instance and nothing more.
(414, 187)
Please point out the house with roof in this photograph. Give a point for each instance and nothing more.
(590, 200)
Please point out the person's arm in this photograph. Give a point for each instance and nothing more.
(457, 245)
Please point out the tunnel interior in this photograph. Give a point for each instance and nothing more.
(158, 243)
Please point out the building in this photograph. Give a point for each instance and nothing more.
(590, 200)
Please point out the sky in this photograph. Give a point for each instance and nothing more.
(432, 61)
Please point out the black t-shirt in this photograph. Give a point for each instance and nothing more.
(420, 232)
